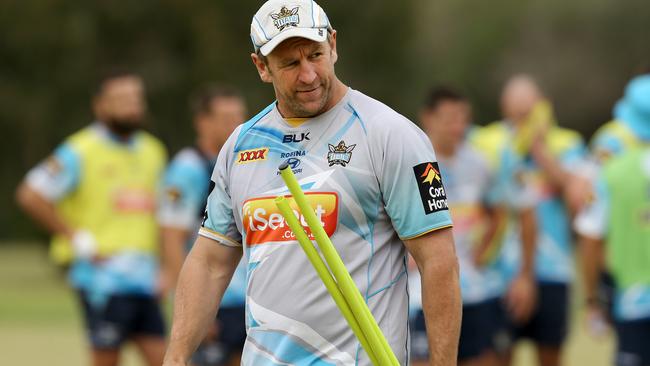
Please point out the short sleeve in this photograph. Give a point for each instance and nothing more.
(410, 181)
(592, 220)
(58, 175)
(183, 193)
(218, 219)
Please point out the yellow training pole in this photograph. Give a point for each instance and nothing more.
(323, 273)
(368, 324)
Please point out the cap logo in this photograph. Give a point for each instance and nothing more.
(286, 18)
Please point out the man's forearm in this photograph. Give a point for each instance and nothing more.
(442, 306)
(200, 288)
(528, 240)
(592, 254)
(42, 211)
(173, 252)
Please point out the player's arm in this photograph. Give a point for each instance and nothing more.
(522, 294)
(173, 252)
(202, 281)
(47, 183)
(41, 210)
(435, 255)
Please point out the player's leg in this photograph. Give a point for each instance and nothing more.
(232, 336)
(148, 331)
(419, 340)
(474, 339)
(550, 326)
(501, 332)
(633, 347)
(104, 321)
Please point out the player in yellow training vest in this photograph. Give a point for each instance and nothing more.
(96, 195)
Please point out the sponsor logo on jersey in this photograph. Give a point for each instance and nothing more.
(134, 200)
(286, 18)
(53, 166)
(294, 163)
(294, 137)
(293, 154)
(264, 223)
(430, 186)
(340, 154)
(173, 194)
(252, 155)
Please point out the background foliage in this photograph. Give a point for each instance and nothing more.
(582, 51)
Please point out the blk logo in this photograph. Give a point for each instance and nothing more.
(304, 136)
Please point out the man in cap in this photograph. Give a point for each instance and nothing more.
(371, 176)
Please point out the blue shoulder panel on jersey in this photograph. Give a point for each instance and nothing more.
(251, 122)
(71, 166)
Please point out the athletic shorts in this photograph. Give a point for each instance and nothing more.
(548, 325)
(485, 327)
(122, 317)
(633, 349)
(231, 323)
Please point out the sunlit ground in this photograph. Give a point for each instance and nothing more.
(40, 324)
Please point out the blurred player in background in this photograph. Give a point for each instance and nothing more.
(629, 130)
(615, 228)
(217, 111)
(96, 195)
(547, 154)
(372, 178)
(479, 218)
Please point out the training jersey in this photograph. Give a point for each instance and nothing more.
(611, 139)
(372, 179)
(554, 254)
(470, 191)
(182, 203)
(106, 186)
(620, 214)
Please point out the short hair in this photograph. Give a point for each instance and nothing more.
(201, 100)
(440, 94)
(108, 74)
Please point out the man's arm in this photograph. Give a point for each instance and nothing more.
(522, 294)
(435, 256)
(173, 253)
(42, 211)
(203, 280)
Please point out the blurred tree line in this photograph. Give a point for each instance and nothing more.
(582, 51)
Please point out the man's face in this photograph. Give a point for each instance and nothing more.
(302, 73)
(518, 99)
(121, 104)
(226, 113)
(449, 119)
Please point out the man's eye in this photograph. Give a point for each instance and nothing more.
(290, 64)
(316, 54)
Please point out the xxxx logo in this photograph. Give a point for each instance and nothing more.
(253, 155)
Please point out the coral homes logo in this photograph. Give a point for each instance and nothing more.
(429, 182)
(252, 155)
(264, 223)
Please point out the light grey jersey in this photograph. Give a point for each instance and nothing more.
(371, 177)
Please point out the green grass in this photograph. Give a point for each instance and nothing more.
(40, 323)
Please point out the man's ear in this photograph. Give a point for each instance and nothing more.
(332, 41)
(262, 68)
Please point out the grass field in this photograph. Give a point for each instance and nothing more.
(40, 325)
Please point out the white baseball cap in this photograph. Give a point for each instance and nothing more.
(278, 20)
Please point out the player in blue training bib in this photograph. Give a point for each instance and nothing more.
(217, 112)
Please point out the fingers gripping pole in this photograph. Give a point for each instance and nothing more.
(324, 274)
(369, 326)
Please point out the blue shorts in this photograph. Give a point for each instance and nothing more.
(548, 325)
(633, 347)
(485, 327)
(231, 323)
(122, 317)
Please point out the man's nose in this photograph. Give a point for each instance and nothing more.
(307, 73)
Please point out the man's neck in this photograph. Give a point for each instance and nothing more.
(208, 148)
(443, 150)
